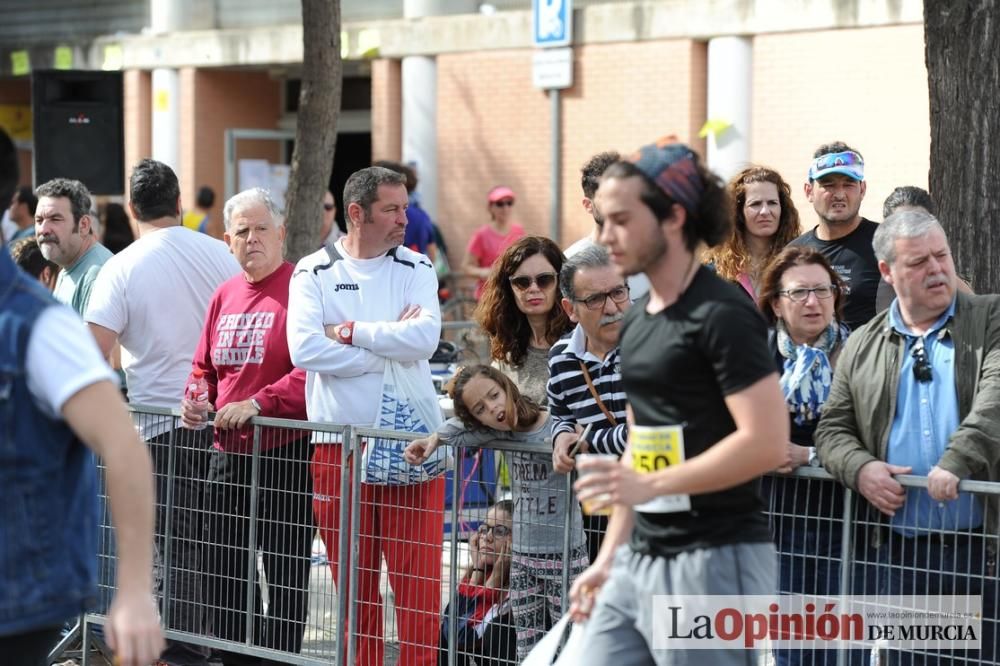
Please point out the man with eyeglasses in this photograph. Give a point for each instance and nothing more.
(917, 391)
(836, 187)
(585, 380)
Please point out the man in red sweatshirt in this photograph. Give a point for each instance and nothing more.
(244, 356)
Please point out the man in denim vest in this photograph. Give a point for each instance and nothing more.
(59, 402)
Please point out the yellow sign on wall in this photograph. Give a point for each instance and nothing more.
(16, 121)
(63, 57)
(19, 63)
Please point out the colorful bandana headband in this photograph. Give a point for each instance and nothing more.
(670, 164)
(848, 163)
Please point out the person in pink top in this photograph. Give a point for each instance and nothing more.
(244, 355)
(490, 240)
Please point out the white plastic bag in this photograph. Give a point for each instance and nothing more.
(544, 652)
(409, 404)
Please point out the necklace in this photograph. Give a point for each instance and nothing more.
(688, 275)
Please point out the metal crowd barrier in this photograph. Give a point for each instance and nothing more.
(216, 594)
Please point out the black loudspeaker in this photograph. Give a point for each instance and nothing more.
(78, 128)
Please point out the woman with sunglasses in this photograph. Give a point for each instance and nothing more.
(802, 298)
(766, 221)
(484, 627)
(488, 407)
(490, 240)
(520, 312)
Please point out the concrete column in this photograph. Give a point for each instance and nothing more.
(168, 16)
(166, 117)
(419, 84)
(730, 89)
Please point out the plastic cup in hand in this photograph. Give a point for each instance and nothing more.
(588, 505)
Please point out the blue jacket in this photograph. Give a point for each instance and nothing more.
(48, 483)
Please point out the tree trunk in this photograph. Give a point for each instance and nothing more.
(316, 129)
(963, 71)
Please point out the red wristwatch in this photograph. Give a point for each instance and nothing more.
(346, 333)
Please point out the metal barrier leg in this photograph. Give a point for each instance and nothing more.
(846, 558)
(251, 581)
(567, 544)
(344, 607)
(355, 552)
(456, 494)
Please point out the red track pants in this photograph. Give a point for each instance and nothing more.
(403, 524)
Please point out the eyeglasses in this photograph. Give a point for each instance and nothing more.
(543, 280)
(503, 203)
(802, 293)
(327, 206)
(597, 301)
(922, 370)
(499, 531)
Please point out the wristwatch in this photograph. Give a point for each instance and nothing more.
(813, 458)
(346, 332)
(256, 405)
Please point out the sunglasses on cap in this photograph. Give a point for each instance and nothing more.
(503, 203)
(848, 163)
(543, 280)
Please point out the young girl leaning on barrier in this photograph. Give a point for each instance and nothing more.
(488, 406)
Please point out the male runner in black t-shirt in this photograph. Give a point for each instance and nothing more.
(836, 187)
(694, 358)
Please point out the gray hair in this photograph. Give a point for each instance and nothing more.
(591, 255)
(362, 187)
(255, 196)
(902, 224)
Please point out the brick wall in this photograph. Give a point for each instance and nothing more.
(494, 127)
(138, 118)
(665, 92)
(387, 112)
(213, 100)
(865, 87)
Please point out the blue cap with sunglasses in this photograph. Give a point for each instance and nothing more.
(848, 163)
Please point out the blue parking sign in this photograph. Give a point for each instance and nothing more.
(552, 22)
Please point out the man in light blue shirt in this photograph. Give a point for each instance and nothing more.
(65, 232)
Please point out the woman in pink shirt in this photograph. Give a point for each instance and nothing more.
(490, 240)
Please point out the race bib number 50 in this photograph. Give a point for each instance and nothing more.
(655, 448)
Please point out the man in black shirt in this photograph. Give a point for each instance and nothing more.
(707, 413)
(836, 187)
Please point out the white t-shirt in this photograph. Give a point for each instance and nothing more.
(154, 295)
(344, 382)
(62, 359)
(638, 284)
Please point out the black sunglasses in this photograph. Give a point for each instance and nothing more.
(503, 203)
(922, 370)
(329, 206)
(543, 280)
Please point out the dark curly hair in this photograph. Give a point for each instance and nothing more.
(497, 312)
(524, 409)
(732, 257)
